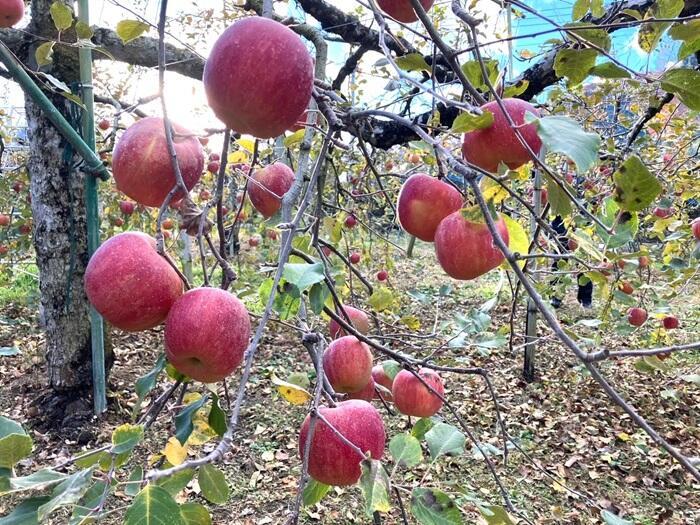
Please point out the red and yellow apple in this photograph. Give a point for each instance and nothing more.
(267, 187)
(380, 378)
(366, 394)
(412, 397)
(358, 318)
(637, 316)
(670, 322)
(347, 362)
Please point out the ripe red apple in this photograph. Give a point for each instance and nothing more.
(254, 240)
(258, 77)
(570, 178)
(130, 284)
(423, 202)
(667, 158)
(206, 333)
(267, 187)
(487, 148)
(359, 319)
(167, 224)
(4, 220)
(366, 394)
(4, 249)
(380, 378)
(326, 251)
(302, 120)
(142, 166)
(643, 261)
(621, 264)
(355, 257)
(389, 165)
(271, 234)
(347, 362)
(119, 222)
(573, 245)
(214, 157)
(626, 287)
(11, 12)
(588, 185)
(636, 316)
(25, 228)
(695, 226)
(127, 207)
(382, 275)
(17, 186)
(213, 166)
(103, 124)
(414, 158)
(465, 249)
(413, 398)
(205, 195)
(663, 213)
(402, 10)
(670, 322)
(350, 221)
(331, 460)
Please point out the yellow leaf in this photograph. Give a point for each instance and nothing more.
(292, 393)
(237, 157)
(623, 436)
(174, 452)
(246, 144)
(518, 240)
(410, 321)
(558, 486)
(191, 397)
(492, 190)
(201, 433)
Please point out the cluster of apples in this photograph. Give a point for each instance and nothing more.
(347, 363)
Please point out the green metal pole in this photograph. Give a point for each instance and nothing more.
(94, 164)
(99, 388)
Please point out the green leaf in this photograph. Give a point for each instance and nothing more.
(68, 492)
(39, 480)
(495, 515)
(405, 449)
(44, 54)
(83, 30)
(15, 444)
(685, 31)
(574, 64)
(135, 479)
(609, 70)
(194, 514)
(466, 122)
(597, 8)
(176, 482)
(434, 507)
(625, 225)
(559, 201)
(90, 500)
(314, 492)
(317, 297)
(304, 275)
(685, 84)
(213, 484)
(101, 457)
(444, 439)
(472, 70)
(25, 513)
(581, 7)
(564, 135)
(125, 438)
(412, 62)
(217, 418)
(635, 186)
(513, 90)
(518, 239)
(421, 427)
(381, 299)
(154, 506)
(7, 351)
(650, 34)
(61, 15)
(597, 37)
(375, 486)
(391, 368)
(183, 421)
(294, 139)
(611, 519)
(146, 383)
(688, 48)
(129, 30)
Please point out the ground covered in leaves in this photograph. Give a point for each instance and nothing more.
(576, 453)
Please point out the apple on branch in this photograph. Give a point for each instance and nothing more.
(347, 362)
(267, 187)
(358, 318)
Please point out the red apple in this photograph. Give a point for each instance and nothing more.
(636, 316)
(302, 121)
(667, 158)
(414, 158)
(4, 249)
(127, 207)
(119, 222)
(359, 320)
(465, 249)
(205, 195)
(11, 12)
(326, 251)
(4, 220)
(695, 226)
(214, 157)
(271, 234)
(380, 378)
(643, 261)
(168, 224)
(331, 460)
(382, 275)
(423, 202)
(670, 322)
(206, 334)
(487, 148)
(350, 221)
(130, 284)
(366, 394)
(570, 178)
(573, 245)
(663, 213)
(389, 165)
(254, 240)
(25, 228)
(626, 287)
(413, 398)
(142, 166)
(258, 77)
(213, 166)
(402, 10)
(17, 186)
(103, 124)
(267, 187)
(621, 264)
(347, 362)
(355, 257)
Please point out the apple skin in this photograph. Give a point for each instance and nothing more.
(267, 187)
(487, 148)
(347, 362)
(254, 240)
(126, 207)
(423, 202)
(5, 220)
(402, 10)
(331, 460)
(637, 316)
(350, 221)
(258, 77)
(465, 249)
(4, 249)
(382, 275)
(643, 261)
(695, 226)
(359, 319)
(573, 245)
(355, 257)
(413, 398)
(626, 288)
(103, 124)
(663, 213)
(206, 334)
(380, 378)
(130, 284)
(142, 166)
(213, 166)
(11, 12)
(670, 322)
(366, 394)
